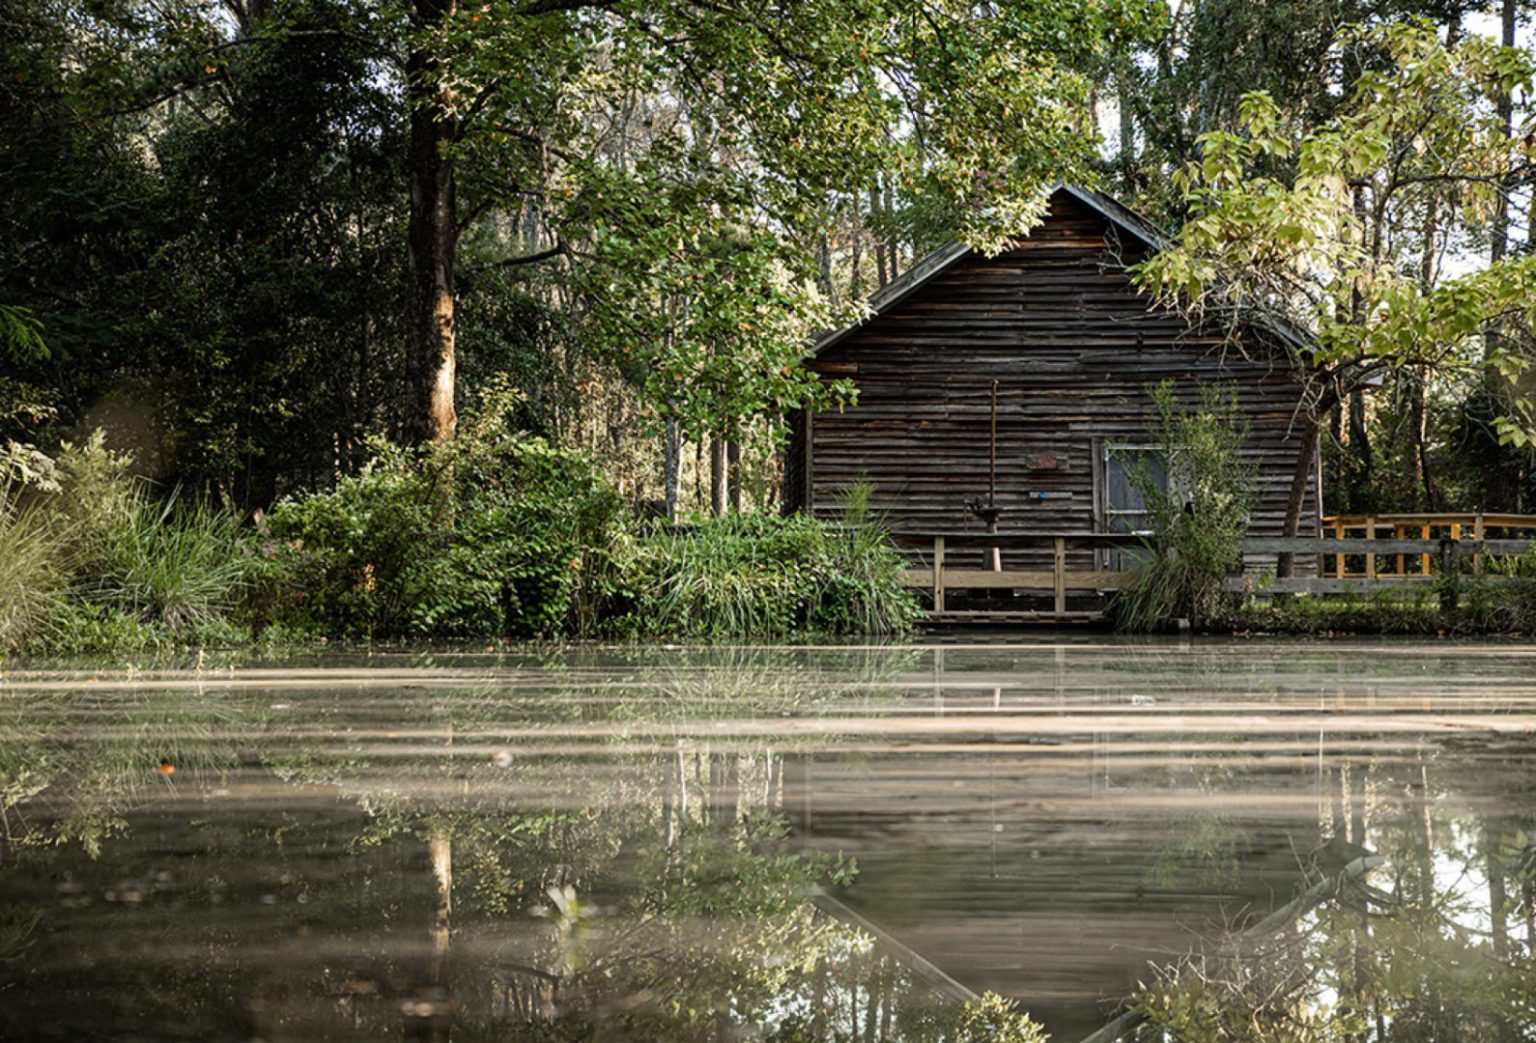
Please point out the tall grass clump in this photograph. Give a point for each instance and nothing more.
(172, 562)
(34, 581)
(1198, 519)
(92, 558)
(752, 576)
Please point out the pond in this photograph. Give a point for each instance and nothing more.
(811, 843)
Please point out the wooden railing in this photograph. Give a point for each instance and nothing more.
(1339, 529)
(1048, 555)
(1055, 581)
(1448, 557)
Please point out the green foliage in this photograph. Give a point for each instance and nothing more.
(495, 534)
(91, 560)
(1415, 612)
(209, 227)
(1503, 599)
(171, 562)
(1337, 226)
(984, 1019)
(21, 335)
(745, 576)
(33, 577)
(1198, 519)
(733, 307)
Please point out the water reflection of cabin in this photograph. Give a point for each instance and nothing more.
(1054, 869)
(1073, 348)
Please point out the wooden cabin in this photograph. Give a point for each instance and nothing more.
(1073, 347)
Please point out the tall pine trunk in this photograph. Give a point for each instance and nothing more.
(432, 236)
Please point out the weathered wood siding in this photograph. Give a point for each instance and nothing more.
(1074, 348)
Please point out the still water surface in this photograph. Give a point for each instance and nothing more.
(837, 843)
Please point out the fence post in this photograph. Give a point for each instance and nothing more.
(1449, 579)
(1061, 575)
(1338, 559)
(1370, 556)
(1477, 534)
(938, 574)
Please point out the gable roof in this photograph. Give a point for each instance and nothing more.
(1112, 210)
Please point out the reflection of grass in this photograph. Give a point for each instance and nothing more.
(17, 927)
(89, 775)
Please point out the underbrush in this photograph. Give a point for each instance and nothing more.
(92, 558)
(1333, 615)
(497, 535)
(1502, 601)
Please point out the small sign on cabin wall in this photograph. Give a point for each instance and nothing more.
(1045, 462)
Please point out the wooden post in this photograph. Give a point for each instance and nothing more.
(1061, 576)
(1424, 558)
(1338, 559)
(938, 574)
(1402, 564)
(1370, 556)
(1448, 592)
(1477, 534)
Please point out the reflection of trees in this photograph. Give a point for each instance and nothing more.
(1428, 947)
(448, 860)
(73, 766)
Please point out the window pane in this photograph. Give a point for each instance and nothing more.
(1123, 502)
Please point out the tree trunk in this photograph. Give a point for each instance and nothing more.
(1418, 482)
(671, 453)
(717, 497)
(1296, 499)
(874, 213)
(1127, 126)
(733, 474)
(432, 236)
(1499, 244)
(1360, 450)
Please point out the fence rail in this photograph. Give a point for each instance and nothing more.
(1056, 582)
(1050, 576)
(1337, 531)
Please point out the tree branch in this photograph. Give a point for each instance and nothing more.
(557, 250)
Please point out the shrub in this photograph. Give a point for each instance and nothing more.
(532, 547)
(1198, 519)
(496, 534)
(340, 561)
